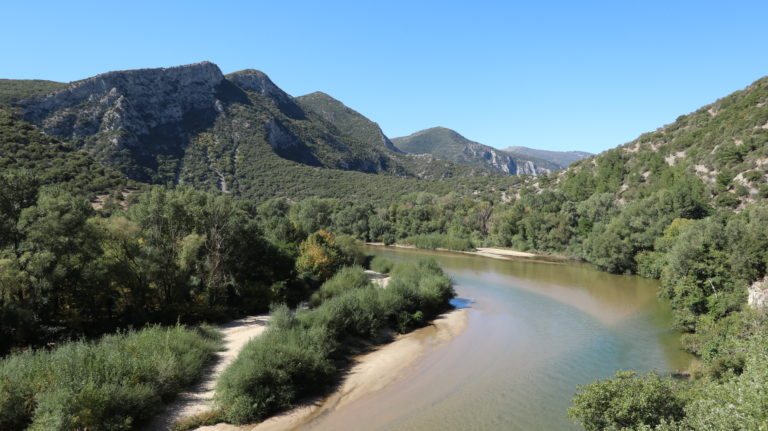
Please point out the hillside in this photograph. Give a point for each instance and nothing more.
(449, 145)
(23, 147)
(14, 90)
(347, 120)
(561, 158)
(724, 145)
(191, 124)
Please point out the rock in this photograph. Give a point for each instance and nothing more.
(127, 110)
(758, 294)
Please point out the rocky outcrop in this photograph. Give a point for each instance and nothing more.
(133, 101)
(143, 112)
(758, 294)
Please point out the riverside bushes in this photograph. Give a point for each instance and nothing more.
(300, 354)
(434, 241)
(349, 277)
(111, 384)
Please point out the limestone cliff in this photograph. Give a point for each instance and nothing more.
(131, 114)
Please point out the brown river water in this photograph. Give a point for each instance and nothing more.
(535, 331)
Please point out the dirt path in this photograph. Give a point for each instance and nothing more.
(198, 399)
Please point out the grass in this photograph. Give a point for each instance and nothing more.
(112, 384)
(301, 354)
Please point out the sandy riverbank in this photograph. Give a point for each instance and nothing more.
(492, 252)
(371, 372)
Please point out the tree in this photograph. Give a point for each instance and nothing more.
(627, 402)
(319, 256)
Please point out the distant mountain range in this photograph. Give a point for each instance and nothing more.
(450, 145)
(560, 158)
(241, 134)
(193, 124)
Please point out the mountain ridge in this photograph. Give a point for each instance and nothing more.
(450, 145)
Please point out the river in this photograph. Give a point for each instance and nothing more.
(535, 331)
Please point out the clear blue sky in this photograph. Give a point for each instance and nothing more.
(556, 75)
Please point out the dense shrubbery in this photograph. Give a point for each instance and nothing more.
(111, 384)
(627, 401)
(298, 355)
(381, 264)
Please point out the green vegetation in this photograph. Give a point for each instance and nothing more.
(115, 383)
(348, 278)
(23, 147)
(13, 90)
(433, 241)
(301, 353)
(68, 270)
(627, 401)
(684, 204)
(346, 120)
(381, 264)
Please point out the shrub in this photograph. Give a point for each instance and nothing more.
(381, 264)
(274, 370)
(349, 277)
(110, 384)
(627, 401)
(434, 241)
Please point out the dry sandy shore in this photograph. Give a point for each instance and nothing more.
(496, 253)
(198, 400)
(371, 372)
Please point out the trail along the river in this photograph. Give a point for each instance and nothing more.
(199, 399)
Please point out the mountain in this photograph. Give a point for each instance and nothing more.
(561, 158)
(238, 133)
(450, 145)
(192, 124)
(347, 120)
(723, 144)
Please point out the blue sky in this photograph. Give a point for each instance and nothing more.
(554, 75)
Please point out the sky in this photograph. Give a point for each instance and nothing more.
(553, 75)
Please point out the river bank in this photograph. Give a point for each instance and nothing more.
(371, 372)
(491, 252)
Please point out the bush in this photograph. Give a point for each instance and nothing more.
(434, 241)
(110, 384)
(274, 370)
(349, 277)
(295, 357)
(381, 264)
(627, 401)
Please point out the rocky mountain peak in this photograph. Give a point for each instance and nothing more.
(258, 82)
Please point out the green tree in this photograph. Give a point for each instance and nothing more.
(627, 402)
